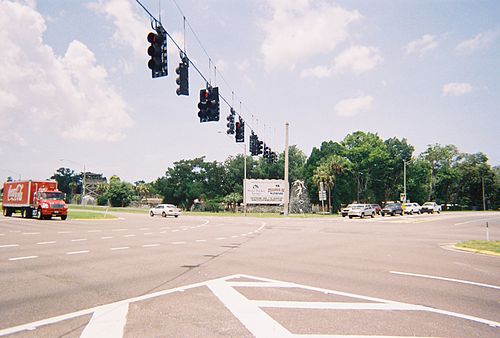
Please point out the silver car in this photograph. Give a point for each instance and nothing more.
(362, 210)
(412, 208)
(165, 210)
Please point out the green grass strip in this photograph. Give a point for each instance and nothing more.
(77, 214)
(481, 246)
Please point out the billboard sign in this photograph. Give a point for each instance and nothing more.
(264, 191)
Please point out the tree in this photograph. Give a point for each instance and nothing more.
(119, 193)
(66, 181)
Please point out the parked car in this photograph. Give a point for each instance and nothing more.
(377, 208)
(346, 210)
(412, 208)
(362, 210)
(431, 207)
(392, 209)
(165, 210)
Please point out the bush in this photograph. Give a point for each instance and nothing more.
(102, 200)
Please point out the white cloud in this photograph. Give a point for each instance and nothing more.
(422, 45)
(356, 59)
(480, 41)
(456, 89)
(302, 29)
(353, 106)
(131, 31)
(42, 92)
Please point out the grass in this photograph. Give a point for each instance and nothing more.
(481, 246)
(105, 208)
(78, 214)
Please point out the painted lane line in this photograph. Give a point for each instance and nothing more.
(120, 248)
(15, 231)
(445, 279)
(176, 230)
(150, 245)
(129, 235)
(90, 231)
(148, 233)
(258, 322)
(235, 236)
(43, 243)
(9, 245)
(108, 321)
(77, 252)
(106, 237)
(336, 306)
(201, 240)
(144, 229)
(21, 258)
(164, 228)
(65, 232)
(31, 233)
(220, 238)
(163, 232)
(79, 240)
(176, 243)
(119, 230)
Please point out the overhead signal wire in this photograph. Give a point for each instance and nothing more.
(207, 81)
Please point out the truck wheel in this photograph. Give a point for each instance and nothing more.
(63, 217)
(28, 213)
(7, 212)
(39, 213)
(164, 214)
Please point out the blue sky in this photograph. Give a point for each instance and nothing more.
(75, 89)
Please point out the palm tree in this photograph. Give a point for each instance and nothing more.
(328, 171)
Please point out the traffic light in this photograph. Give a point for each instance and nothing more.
(158, 52)
(202, 105)
(253, 144)
(230, 123)
(240, 131)
(213, 105)
(260, 147)
(209, 105)
(183, 78)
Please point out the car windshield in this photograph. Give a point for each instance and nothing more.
(428, 204)
(392, 205)
(357, 207)
(52, 195)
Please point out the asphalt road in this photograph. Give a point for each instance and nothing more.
(243, 276)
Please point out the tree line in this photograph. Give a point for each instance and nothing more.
(362, 167)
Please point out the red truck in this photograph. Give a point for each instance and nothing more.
(34, 198)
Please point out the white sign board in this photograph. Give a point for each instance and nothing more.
(264, 191)
(322, 195)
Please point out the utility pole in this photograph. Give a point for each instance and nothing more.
(287, 188)
(484, 202)
(404, 178)
(245, 179)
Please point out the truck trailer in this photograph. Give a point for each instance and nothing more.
(39, 199)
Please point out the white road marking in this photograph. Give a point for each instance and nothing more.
(201, 240)
(77, 252)
(94, 231)
(31, 233)
(9, 245)
(119, 229)
(120, 248)
(476, 220)
(244, 309)
(150, 245)
(21, 258)
(79, 240)
(109, 321)
(234, 236)
(148, 233)
(143, 229)
(131, 235)
(259, 323)
(176, 230)
(163, 232)
(65, 232)
(445, 279)
(43, 243)
(178, 243)
(220, 238)
(336, 306)
(164, 228)
(106, 237)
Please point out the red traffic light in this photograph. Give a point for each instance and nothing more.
(238, 125)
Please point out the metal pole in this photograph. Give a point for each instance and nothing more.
(84, 182)
(484, 202)
(404, 178)
(287, 193)
(245, 179)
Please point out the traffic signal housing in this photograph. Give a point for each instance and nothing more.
(202, 105)
(158, 53)
(183, 78)
(230, 123)
(240, 131)
(213, 105)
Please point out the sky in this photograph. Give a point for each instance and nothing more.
(76, 92)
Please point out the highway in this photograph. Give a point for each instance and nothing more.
(142, 276)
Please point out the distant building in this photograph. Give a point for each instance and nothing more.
(92, 182)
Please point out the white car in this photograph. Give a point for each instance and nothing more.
(165, 210)
(362, 210)
(412, 208)
(346, 210)
(431, 207)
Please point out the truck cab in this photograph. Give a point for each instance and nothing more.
(50, 203)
